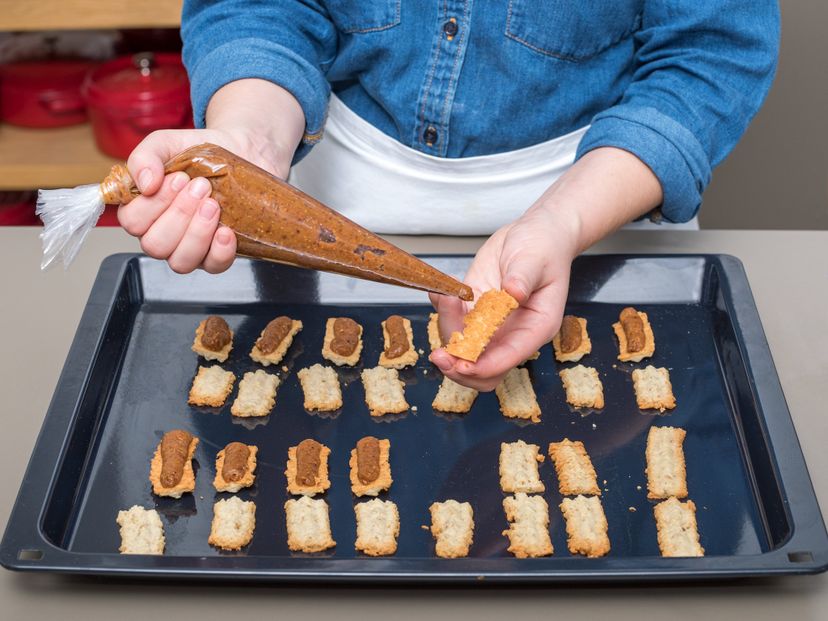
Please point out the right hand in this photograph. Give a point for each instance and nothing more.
(174, 217)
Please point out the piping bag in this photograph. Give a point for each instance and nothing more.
(272, 221)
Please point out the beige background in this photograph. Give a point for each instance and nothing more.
(777, 177)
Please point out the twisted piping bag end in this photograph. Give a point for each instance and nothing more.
(68, 214)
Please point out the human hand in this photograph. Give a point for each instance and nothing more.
(530, 259)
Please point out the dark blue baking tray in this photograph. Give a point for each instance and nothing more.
(129, 369)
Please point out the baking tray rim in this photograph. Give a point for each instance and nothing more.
(805, 550)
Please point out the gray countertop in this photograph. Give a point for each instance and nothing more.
(39, 314)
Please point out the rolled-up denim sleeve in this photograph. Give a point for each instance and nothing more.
(702, 70)
(290, 43)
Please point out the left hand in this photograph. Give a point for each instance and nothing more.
(530, 259)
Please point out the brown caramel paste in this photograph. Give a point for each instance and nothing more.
(346, 336)
(308, 460)
(633, 329)
(216, 334)
(397, 337)
(234, 467)
(368, 459)
(175, 449)
(274, 333)
(570, 334)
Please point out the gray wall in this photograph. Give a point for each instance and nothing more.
(777, 176)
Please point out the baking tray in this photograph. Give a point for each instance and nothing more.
(129, 369)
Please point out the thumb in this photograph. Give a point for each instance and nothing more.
(524, 274)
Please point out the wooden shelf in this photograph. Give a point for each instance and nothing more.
(88, 14)
(50, 158)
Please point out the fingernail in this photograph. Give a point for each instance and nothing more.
(199, 187)
(179, 180)
(223, 237)
(144, 179)
(208, 209)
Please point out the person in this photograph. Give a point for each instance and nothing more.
(545, 123)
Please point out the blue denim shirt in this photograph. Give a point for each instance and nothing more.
(673, 81)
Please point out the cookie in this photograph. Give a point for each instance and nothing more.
(586, 526)
(583, 387)
(574, 468)
(480, 324)
(321, 387)
(435, 341)
(583, 348)
(384, 392)
(249, 471)
(452, 526)
(257, 394)
(321, 480)
(211, 386)
(528, 531)
(678, 533)
(453, 397)
(519, 467)
(378, 525)
(186, 482)
(329, 354)
(383, 480)
(202, 350)
(517, 397)
(275, 356)
(648, 348)
(234, 521)
(141, 531)
(308, 525)
(666, 470)
(653, 389)
(408, 358)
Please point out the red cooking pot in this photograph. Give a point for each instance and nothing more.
(45, 93)
(18, 209)
(130, 97)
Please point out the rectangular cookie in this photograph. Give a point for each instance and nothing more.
(383, 480)
(378, 524)
(141, 531)
(528, 531)
(330, 354)
(276, 356)
(257, 394)
(308, 525)
(579, 352)
(519, 467)
(234, 521)
(574, 468)
(586, 526)
(666, 470)
(208, 354)
(321, 387)
(408, 358)
(247, 479)
(583, 387)
(480, 324)
(435, 341)
(517, 397)
(649, 341)
(653, 389)
(452, 526)
(678, 533)
(211, 385)
(454, 397)
(187, 481)
(323, 482)
(384, 392)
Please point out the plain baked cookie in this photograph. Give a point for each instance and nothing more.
(141, 531)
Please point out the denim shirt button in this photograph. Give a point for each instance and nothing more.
(450, 28)
(430, 135)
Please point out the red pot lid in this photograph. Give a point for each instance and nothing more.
(139, 78)
(42, 74)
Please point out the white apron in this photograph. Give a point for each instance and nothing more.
(390, 188)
